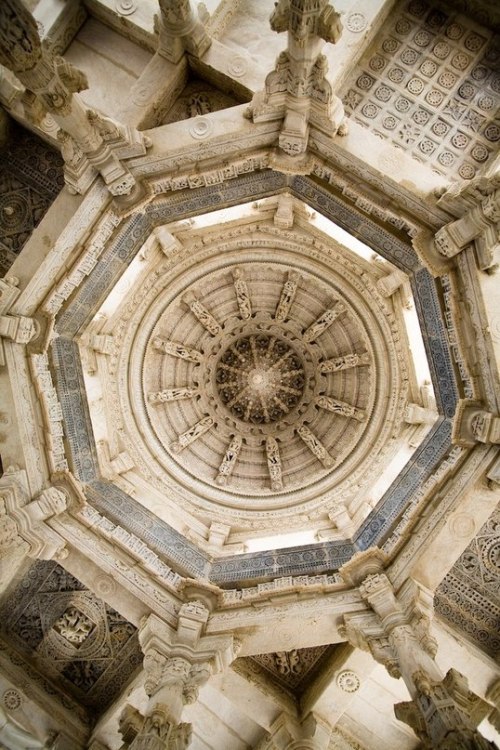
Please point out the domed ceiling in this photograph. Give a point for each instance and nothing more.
(247, 391)
(256, 375)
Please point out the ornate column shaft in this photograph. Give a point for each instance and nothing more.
(177, 662)
(180, 31)
(397, 633)
(90, 143)
(297, 90)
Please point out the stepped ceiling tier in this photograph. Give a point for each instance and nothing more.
(249, 367)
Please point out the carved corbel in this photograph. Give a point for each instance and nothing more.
(392, 281)
(364, 631)
(363, 564)
(409, 713)
(18, 328)
(113, 467)
(473, 424)
(476, 207)
(474, 707)
(130, 724)
(478, 226)
(493, 474)
(9, 292)
(180, 31)
(493, 696)
(341, 519)
(169, 244)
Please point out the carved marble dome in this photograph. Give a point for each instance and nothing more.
(262, 387)
(249, 374)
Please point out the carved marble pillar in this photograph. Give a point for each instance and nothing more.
(396, 630)
(180, 31)
(177, 662)
(90, 143)
(297, 90)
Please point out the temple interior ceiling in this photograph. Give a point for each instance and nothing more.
(249, 373)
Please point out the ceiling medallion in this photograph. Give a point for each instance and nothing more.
(262, 379)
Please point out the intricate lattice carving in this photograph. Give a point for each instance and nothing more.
(468, 597)
(74, 638)
(431, 86)
(260, 379)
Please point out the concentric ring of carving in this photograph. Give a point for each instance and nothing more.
(263, 379)
(260, 378)
(162, 402)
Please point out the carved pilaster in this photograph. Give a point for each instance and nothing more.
(297, 90)
(180, 31)
(90, 143)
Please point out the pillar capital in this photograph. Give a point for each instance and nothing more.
(396, 630)
(177, 662)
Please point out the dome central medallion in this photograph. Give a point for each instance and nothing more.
(260, 378)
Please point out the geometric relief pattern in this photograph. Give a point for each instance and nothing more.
(72, 637)
(31, 177)
(431, 85)
(469, 596)
(294, 669)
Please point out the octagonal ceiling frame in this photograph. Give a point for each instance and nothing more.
(170, 544)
